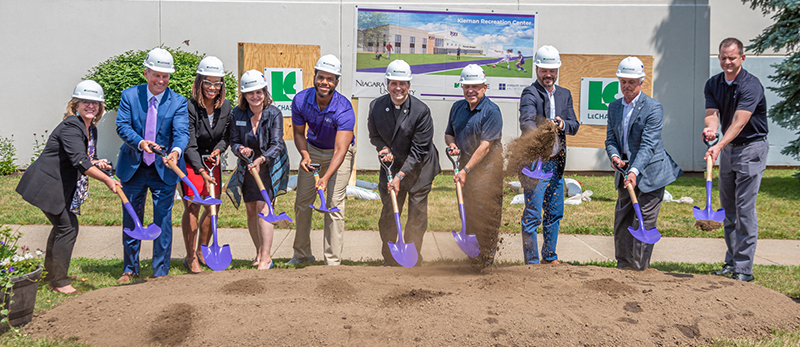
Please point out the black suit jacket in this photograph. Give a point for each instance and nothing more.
(534, 106)
(204, 138)
(63, 160)
(409, 137)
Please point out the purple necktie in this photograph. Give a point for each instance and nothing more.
(150, 130)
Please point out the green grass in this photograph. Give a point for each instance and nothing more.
(93, 274)
(778, 201)
(498, 71)
(367, 60)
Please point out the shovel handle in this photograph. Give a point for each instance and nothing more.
(632, 193)
(122, 196)
(709, 166)
(454, 161)
(170, 164)
(253, 172)
(459, 193)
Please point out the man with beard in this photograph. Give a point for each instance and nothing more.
(474, 131)
(330, 120)
(401, 129)
(547, 102)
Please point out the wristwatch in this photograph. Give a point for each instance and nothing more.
(465, 169)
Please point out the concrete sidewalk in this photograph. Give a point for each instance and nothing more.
(106, 242)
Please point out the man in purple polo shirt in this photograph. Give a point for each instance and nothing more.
(330, 120)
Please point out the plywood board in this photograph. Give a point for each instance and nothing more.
(576, 66)
(263, 55)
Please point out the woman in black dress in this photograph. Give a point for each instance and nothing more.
(257, 132)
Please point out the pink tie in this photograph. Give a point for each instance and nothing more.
(150, 130)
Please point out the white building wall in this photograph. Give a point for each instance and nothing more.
(51, 49)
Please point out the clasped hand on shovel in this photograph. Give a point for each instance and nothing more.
(403, 253)
(466, 242)
(649, 236)
(196, 198)
(272, 217)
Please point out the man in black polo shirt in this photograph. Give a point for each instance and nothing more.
(736, 98)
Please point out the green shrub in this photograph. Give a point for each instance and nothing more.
(8, 156)
(125, 70)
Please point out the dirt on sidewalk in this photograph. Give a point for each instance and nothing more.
(558, 305)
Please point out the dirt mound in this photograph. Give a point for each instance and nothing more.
(557, 305)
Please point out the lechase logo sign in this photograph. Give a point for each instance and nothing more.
(596, 94)
(283, 84)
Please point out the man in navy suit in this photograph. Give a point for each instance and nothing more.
(633, 134)
(545, 101)
(151, 114)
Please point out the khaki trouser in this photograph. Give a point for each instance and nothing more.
(334, 197)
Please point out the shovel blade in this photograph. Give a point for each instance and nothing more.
(217, 258)
(537, 175)
(649, 236)
(272, 218)
(151, 232)
(709, 214)
(324, 209)
(468, 243)
(209, 201)
(404, 254)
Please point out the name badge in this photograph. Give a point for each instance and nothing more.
(241, 123)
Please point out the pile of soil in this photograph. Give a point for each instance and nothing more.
(558, 305)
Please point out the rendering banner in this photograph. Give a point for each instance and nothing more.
(438, 44)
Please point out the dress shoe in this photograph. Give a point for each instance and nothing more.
(726, 270)
(61, 290)
(742, 277)
(295, 261)
(554, 262)
(127, 277)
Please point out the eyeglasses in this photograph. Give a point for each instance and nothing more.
(90, 103)
(209, 84)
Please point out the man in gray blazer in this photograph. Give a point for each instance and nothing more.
(401, 127)
(634, 135)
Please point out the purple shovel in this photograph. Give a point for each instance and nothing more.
(322, 206)
(272, 217)
(649, 236)
(467, 243)
(537, 173)
(139, 232)
(217, 258)
(196, 199)
(709, 213)
(404, 254)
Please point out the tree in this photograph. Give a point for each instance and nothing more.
(783, 34)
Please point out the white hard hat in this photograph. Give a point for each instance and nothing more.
(159, 60)
(398, 70)
(630, 67)
(472, 74)
(547, 57)
(329, 63)
(89, 90)
(211, 66)
(252, 80)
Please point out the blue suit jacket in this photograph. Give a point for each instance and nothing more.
(172, 131)
(534, 103)
(646, 148)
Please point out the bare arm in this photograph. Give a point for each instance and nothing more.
(740, 119)
(302, 145)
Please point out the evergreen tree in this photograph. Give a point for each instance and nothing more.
(784, 33)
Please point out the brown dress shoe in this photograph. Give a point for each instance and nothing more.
(553, 262)
(127, 277)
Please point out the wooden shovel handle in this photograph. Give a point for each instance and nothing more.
(632, 193)
(709, 166)
(459, 193)
(122, 195)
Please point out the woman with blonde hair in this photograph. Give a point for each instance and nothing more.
(67, 159)
(209, 118)
(257, 133)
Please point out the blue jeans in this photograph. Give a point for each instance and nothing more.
(547, 198)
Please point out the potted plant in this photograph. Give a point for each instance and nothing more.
(20, 271)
